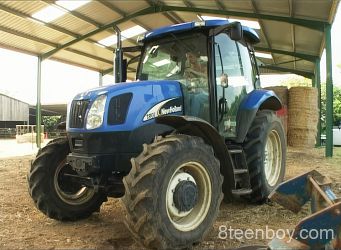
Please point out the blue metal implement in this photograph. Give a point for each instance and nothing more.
(323, 227)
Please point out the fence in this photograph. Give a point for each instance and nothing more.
(27, 133)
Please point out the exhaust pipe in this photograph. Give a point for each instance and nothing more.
(118, 65)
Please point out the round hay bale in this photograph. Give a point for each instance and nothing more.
(303, 98)
(281, 92)
(302, 119)
(301, 138)
(302, 116)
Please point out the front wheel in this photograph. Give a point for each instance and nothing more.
(173, 192)
(53, 192)
(265, 149)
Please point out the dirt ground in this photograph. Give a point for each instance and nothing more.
(22, 226)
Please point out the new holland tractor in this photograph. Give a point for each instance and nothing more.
(193, 128)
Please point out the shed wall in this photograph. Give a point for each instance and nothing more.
(13, 110)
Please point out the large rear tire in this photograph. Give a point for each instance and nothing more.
(265, 149)
(54, 194)
(173, 192)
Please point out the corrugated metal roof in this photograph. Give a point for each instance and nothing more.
(10, 41)
(25, 6)
(97, 11)
(18, 30)
(32, 28)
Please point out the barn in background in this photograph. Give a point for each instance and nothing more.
(12, 112)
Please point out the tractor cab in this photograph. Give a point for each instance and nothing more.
(214, 63)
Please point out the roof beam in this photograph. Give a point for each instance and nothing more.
(146, 11)
(308, 23)
(313, 24)
(169, 15)
(172, 15)
(74, 13)
(307, 57)
(261, 24)
(289, 61)
(85, 19)
(27, 36)
(283, 69)
(26, 16)
(49, 25)
(123, 14)
(190, 4)
(97, 58)
(49, 43)
(110, 70)
(293, 39)
(170, 18)
(177, 17)
(220, 5)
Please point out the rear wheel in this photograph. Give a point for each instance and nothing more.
(265, 149)
(53, 192)
(173, 192)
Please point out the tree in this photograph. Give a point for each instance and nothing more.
(336, 106)
(50, 122)
(296, 81)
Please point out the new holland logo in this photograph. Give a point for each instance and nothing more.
(171, 109)
(159, 109)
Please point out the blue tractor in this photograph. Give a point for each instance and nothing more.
(194, 128)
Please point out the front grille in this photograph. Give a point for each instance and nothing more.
(118, 108)
(77, 113)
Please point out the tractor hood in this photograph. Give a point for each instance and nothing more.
(145, 97)
(117, 88)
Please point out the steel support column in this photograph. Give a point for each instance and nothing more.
(317, 84)
(329, 93)
(38, 105)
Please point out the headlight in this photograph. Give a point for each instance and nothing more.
(96, 112)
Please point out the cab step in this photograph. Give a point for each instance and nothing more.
(240, 171)
(236, 151)
(242, 185)
(241, 192)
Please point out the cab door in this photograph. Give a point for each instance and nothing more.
(232, 62)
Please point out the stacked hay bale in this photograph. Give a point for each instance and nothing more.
(282, 93)
(303, 116)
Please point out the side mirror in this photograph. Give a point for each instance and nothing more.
(224, 80)
(236, 31)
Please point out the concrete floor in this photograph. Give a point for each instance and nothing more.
(10, 148)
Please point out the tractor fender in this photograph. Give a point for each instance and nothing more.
(197, 127)
(256, 100)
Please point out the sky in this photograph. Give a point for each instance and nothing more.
(61, 82)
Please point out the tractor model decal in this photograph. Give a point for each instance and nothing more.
(169, 106)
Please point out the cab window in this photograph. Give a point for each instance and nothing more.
(232, 60)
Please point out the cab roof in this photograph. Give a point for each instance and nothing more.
(248, 33)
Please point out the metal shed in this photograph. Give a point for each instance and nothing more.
(293, 32)
(12, 112)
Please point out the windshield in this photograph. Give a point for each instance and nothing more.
(177, 57)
